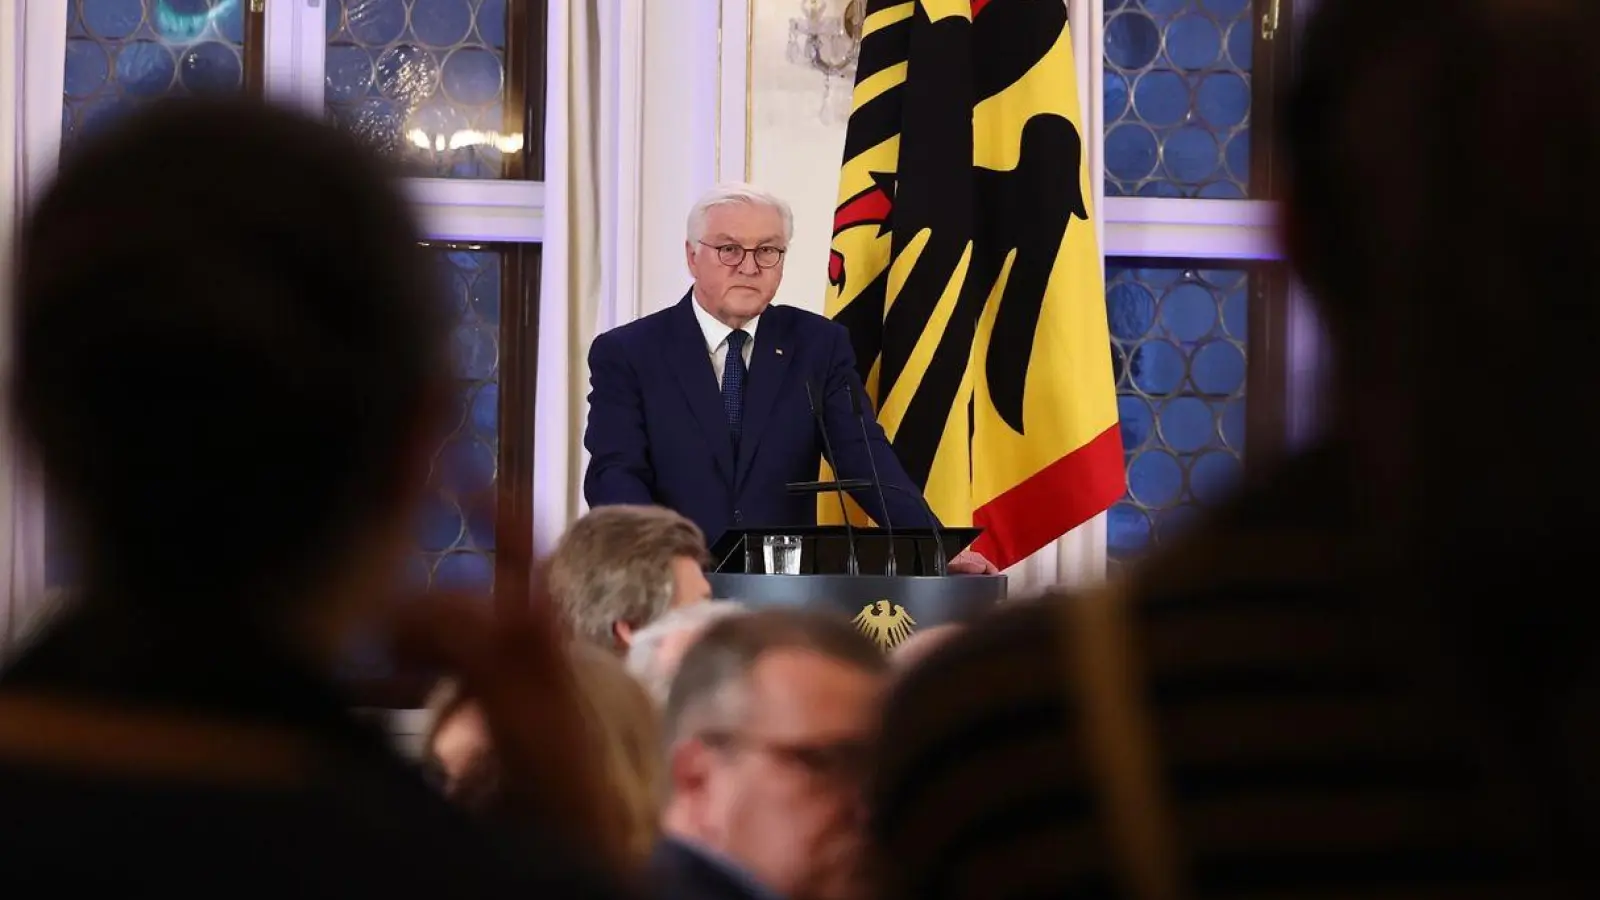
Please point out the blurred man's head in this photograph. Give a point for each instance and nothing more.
(921, 644)
(233, 383)
(769, 726)
(657, 649)
(619, 568)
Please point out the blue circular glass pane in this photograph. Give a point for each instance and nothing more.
(407, 74)
(212, 68)
(146, 68)
(1116, 96)
(375, 23)
(1221, 190)
(1241, 44)
(1158, 278)
(229, 19)
(486, 411)
(473, 76)
(441, 23)
(1187, 424)
(1193, 42)
(1218, 369)
(334, 19)
(1130, 310)
(1119, 365)
(1132, 40)
(480, 523)
(1137, 421)
(1233, 424)
(1236, 312)
(492, 23)
(1226, 9)
(1160, 189)
(87, 68)
(441, 527)
(1155, 479)
(1162, 97)
(347, 74)
(1191, 154)
(1189, 312)
(1127, 529)
(375, 121)
(468, 466)
(1171, 524)
(181, 21)
(1214, 476)
(1223, 99)
(112, 20)
(465, 571)
(1156, 368)
(476, 354)
(1238, 154)
(1222, 279)
(485, 296)
(1165, 7)
(100, 113)
(1131, 152)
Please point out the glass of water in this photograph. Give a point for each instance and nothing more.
(781, 553)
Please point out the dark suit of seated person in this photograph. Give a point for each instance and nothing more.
(703, 408)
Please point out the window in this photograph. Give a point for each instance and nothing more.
(122, 53)
(1197, 297)
(454, 90)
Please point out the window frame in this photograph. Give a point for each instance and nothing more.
(1172, 232)
(507, 215)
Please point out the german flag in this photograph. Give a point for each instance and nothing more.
(965, 266)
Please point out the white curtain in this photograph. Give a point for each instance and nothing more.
(589, 280)
(33, 35)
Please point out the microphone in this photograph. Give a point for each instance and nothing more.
(941, 566)
(853, 567)
(890, 567)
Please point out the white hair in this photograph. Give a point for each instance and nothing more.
(644, 659)
(736, 192)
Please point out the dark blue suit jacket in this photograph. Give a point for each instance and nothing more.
(657, 432)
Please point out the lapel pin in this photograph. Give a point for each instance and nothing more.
(778, 350)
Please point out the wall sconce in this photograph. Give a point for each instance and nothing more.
(827, 43)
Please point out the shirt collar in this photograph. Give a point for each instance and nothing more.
(715, 332)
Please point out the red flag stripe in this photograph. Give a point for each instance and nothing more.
(1055, 500)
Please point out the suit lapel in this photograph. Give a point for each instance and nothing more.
(690, 362)
(769, 364)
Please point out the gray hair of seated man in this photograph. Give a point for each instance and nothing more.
(646, 660)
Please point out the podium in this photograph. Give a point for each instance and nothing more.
(886, 608)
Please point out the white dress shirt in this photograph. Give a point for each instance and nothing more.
(716, 335)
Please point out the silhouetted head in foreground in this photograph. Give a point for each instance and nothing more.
(1440, 212)
(230, 358)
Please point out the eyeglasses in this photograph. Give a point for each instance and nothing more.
(732, 255)
(834, 761)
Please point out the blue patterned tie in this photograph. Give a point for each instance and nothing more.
(733, 375)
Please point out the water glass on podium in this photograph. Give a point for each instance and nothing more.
(781, 552)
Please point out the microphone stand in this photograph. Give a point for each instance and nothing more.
(890, 567)
(941, 566)
(853, 567)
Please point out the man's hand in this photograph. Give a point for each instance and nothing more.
(968, 562)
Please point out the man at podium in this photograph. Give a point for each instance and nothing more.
(712, 406)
